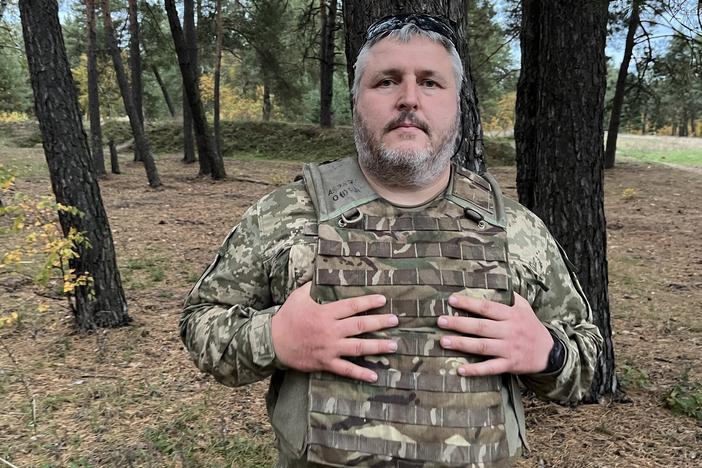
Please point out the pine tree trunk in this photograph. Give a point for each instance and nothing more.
(326, 63)
(188, 139)
(358, 15)
(620, 88)
(135, 66)
(70, 166)
(93, 94)
(114, 159)
(267, 107)
(559, 139)
(164, 90)
(140, 140)
(203, 135)
(218, 75)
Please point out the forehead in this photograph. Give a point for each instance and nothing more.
(417, 54)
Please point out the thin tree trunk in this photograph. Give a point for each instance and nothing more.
(135, 66)
(358, 15)
(326, 64)
(188, 139)
(644, 116)
(164, 90)
(217, 75)
(620, 88)
(140, 140)
(93, 94)
(102, 303)
(559, 138)
(267, 107)
(114, 159)
(202, 131)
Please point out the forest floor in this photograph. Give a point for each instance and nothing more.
(131, 397)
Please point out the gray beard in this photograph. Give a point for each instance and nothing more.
(403, 168)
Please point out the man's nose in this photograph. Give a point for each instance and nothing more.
(409, 96)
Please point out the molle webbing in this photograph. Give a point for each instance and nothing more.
(419, 412)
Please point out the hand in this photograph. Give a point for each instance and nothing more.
(515, 338)
(312, 337)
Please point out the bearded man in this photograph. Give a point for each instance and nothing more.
(396, 301)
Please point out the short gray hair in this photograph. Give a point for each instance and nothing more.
(404, 34)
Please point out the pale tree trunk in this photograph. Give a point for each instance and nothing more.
(217, 75)
(93, 94)
(203, 135)
(140, 140)
(358, 15)
(620, 88)
(102, 303)
(327, 10)
(559, 138)
(135, 66)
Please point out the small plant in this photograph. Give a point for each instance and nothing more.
(629, 193)
(686, 397)
(633, 378)
(40, 250)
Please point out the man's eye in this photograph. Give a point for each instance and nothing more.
(430, 84)
(386, 83)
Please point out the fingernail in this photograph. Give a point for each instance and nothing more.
(443, 321)
(453, 300)
(392, 347)
(446, 342)
(462, 370)
(393, 320)
(382, 300)
(372, 377)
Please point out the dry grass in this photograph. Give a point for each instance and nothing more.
(130, 397)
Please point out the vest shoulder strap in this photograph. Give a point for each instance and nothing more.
(480, 193)
(337, 187)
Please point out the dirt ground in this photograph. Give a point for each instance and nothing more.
(131, 397)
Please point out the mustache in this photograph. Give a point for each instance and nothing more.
(406, 116)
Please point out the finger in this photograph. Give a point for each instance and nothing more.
(365, 323)
(472, 326)
(353, 306)
(495, 366)
(350, 370)
(364, 347)
(488, 309)
(467, 345)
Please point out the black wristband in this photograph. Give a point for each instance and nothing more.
(556, 358)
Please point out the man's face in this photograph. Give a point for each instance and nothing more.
(406, 112)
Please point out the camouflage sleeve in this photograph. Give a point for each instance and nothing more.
(226, 322)
(545, 278)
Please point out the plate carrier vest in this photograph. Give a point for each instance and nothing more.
(420, 411)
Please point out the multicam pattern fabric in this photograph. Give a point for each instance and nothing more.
(225, 324)
(420, 410)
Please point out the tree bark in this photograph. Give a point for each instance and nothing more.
(202, 131)
(267, 107)
(164, 90)
(188, 139)
(620, 88)
(71, 169)
(559, 139)
(326, 63)
(218, 75)
(140, 140)
(358, 15)
(135, 66)
(93, 94)
(114, 159)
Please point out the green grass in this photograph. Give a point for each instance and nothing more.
(143, 272)
(663, 149)
(685, 397)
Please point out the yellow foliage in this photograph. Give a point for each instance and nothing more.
(503, 120)
(13, 117)
(629, 193)
(34, 227)
(232, 106)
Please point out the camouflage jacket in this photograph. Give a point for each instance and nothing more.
(226, 321)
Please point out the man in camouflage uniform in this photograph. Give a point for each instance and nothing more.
(397, 302)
